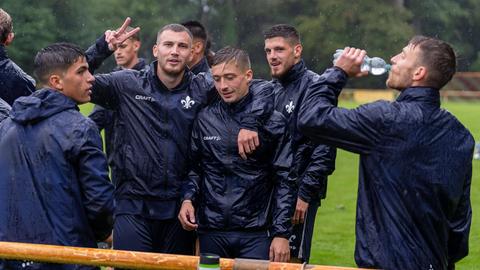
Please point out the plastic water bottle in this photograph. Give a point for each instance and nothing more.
(476, 153)
(209, 261)
(374, 65)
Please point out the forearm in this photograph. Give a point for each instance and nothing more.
(97, 53)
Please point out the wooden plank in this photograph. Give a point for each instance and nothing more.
(134, 260)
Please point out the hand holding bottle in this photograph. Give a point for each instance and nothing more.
(374, 65)
(350, 60)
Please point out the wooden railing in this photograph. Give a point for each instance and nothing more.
(134, 260)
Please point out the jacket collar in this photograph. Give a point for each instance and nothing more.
(294, 73)
(152, 74)
(237, 106)
(3, 52)
(420, 94)
(138, 66)
(201, 66)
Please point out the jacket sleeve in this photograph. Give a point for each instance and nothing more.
(262, 105)
(284, 184)
(460, 224)
(4, 110)
(357, 130)
(97, 53)
(94, 182)
(313, 183)
(101, 116)
(191, 187)
(105, 89)
(16, 84)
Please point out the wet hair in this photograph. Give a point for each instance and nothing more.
(175, 28)
(438, 57)
(285, 31)
(54, 58)
(229, 54)
(197, 29)
(6, 25)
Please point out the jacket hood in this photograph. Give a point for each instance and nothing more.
(40, 105)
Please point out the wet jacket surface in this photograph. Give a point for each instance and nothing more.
(413, 208)
(14, 82)
(312, 162)
(155, 123)
(56, 188)
(4, 110)
(201, 66)
(105, 119)
(232, 194)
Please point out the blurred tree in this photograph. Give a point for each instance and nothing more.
(451, 20)
(39, 23)
(381, 27)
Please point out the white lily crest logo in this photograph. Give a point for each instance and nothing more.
(290, 107)
(187, 102)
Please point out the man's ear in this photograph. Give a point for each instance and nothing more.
(197, 47)
(420, 74)
(136, 45)
(55, 82)
(249, 75)
(154, 50)
(297, 50)
(10, 38)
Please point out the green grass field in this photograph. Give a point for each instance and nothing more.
(334, 237)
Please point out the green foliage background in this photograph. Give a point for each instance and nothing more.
(382, 27)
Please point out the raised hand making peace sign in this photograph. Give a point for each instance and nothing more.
(117, 37)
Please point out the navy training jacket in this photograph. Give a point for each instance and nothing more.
(14, 82)
(4, 110)
(150, 166)
(312, 162)
(105, 119)
(54, 179)
(201, 66)
(232, 194)
(413, 208)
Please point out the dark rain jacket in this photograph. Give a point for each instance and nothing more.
(151, 163)
(312, 162)
(233, 194)
(4, 110)
(201, 66)
(105, 119)
(54, 186)
(413, 208)
(14, 82)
